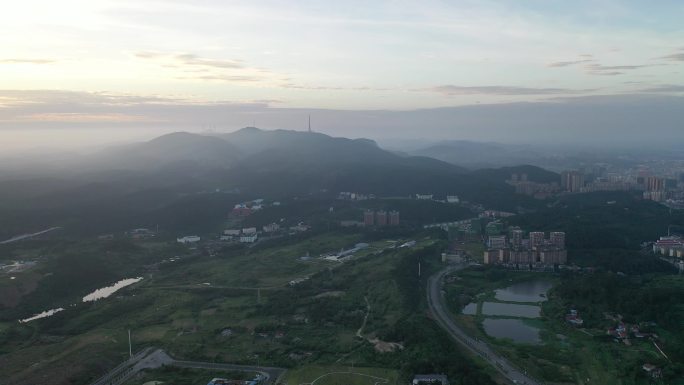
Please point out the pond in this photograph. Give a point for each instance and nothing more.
(46, 313)
(109, 290)
(529, 291)
(470, 309)
(510, 310)
(514, 329)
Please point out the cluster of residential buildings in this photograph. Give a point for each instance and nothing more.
(431, 197)
(247, 208)
(245, 235)
(380, 218)
(514, 248)
(351, 196)
(251, 234)
(622, 332)
(657, 188)
(537, 190)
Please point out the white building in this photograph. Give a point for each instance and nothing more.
(249, 230)
(271, 228)
(497, 241)
(232, 232)
(452, 199)
(188, 239)
(301, 227)
(248, 238)
(424, 196)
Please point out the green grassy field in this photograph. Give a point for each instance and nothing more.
(184, 306)
(340, 375)
(184, 376)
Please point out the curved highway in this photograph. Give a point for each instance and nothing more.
(477, 346)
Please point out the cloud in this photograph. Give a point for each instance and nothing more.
(678, 56)
(568, 63)
(188, 66)
(73, 98)
(452, 90)
(557, 119)
(592, 67)
(61, 106)
(332, 88)
(76, 117)
(51, 106)
(194, 60)
(225, 78)
(605, 73)
(599, 67)
(188, 59)
(666, 88)
(26, 61)
(602, 70)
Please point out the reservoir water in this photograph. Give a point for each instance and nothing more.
(510, 310)
(529, 291)
(470, 309)
(109, 290)
(46, 313)
(514, 329)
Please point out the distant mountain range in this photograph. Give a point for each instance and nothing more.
(476, 155)
(155, 176)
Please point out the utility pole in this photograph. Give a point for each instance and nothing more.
(419, 269)
(130, 348)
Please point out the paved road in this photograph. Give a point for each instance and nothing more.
(27, 236)
(154, 358)
(477, 346)
(270, 374)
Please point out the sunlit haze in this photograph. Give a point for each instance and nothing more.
(333, 192)
(225, 65)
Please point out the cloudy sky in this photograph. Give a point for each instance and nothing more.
(226, 64)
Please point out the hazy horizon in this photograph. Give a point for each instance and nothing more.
(592, 74)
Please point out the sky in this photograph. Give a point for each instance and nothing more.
(197, 65)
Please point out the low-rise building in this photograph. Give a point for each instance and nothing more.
(248, 238)
(301, 227)
(496, 241)
(394, 218)
(188, 239)
(271, 228)
(669, 246)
